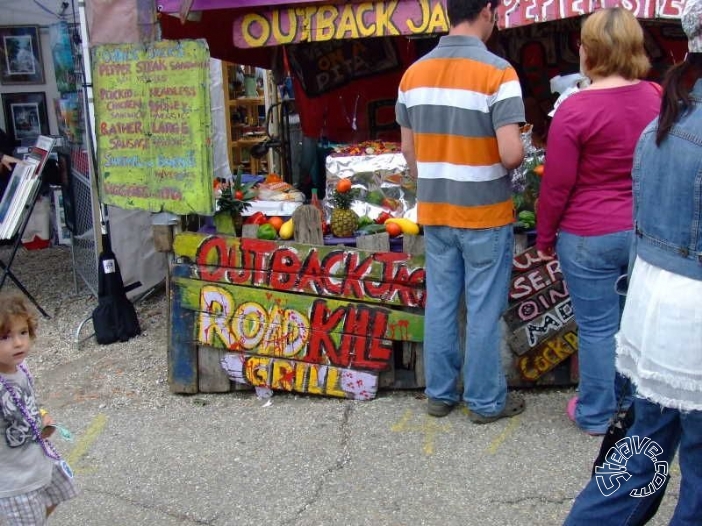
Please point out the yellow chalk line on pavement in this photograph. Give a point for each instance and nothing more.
(401, 425)
(429, 427)
(86, 440)
(499, 440)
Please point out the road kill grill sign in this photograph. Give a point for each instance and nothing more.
(304, 318)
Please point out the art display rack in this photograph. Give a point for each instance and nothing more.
(42, 149)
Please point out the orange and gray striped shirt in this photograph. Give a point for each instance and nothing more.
(453, 99)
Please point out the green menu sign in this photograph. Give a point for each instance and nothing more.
(153, 126)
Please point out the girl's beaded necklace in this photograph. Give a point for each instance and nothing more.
(46, 446)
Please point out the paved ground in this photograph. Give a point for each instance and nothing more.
(233, 460)
(143, 456)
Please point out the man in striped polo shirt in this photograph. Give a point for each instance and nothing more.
(459, 109)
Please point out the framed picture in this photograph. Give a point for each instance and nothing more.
(20, 55)
(25, 115)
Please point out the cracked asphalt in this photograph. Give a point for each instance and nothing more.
(231, 459)
(144, 456)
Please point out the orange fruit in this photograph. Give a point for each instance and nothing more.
(343, 186)
(276, 222)
(393, 229)
(539, 170)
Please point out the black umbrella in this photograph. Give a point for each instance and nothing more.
(114, 319)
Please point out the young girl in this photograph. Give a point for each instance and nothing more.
(34, 478)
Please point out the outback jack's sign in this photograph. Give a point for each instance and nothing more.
(317, 22)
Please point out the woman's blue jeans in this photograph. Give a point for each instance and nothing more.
(591, 266)
(478, 262)
(668, 428)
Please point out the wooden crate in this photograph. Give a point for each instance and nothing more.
(349, 314)
(291, 316)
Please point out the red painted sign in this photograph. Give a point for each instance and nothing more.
(515, 13)
(382, 275)
(530, 283)
(317, 22)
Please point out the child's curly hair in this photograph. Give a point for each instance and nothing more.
(15, 306)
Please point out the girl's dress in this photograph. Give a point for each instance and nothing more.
(33, 475)
(659, 345)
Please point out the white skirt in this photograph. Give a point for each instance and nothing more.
(659, 345)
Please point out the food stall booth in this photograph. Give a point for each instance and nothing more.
(343, 317)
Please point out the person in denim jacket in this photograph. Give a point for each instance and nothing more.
(659, 346)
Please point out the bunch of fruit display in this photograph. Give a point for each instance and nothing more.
(367, 148)
(345, 223)
(526, 182)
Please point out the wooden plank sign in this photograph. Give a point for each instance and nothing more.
(536, 305)
(537, 330)
(527, 260)
(304, 318)
(318, 330)
(526, 284)
(548, 354)
(379, 277)
(293, 375)
(540, 309)
(153, 126)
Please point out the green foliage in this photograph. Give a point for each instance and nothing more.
(228, 202)
(343, 201)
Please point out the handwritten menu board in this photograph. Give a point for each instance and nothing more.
(153, 126)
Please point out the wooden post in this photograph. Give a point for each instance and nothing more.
(163, 237)
(374, 243)
(308, 225)
(413, 245)
(413, 352)
(211, 377)
(182, 354)
(249, 231)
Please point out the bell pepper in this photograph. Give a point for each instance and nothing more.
(258, 218)
(266, 231)
(384, 216)
(364, 220)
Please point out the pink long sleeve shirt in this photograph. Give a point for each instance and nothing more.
(587, 188)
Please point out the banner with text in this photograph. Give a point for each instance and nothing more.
(153, 126)
(336, 21)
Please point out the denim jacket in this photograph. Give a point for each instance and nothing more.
(668, 194)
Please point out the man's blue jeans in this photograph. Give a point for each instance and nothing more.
(668, 428)
(591, 266)
(478, 262)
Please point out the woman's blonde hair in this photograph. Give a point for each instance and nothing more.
(13, 306)
(614, 44)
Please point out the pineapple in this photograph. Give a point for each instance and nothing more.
(344, 221)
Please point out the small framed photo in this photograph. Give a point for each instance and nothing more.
(20, 55)
(25, 115)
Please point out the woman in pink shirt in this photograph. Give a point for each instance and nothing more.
(585, 202)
